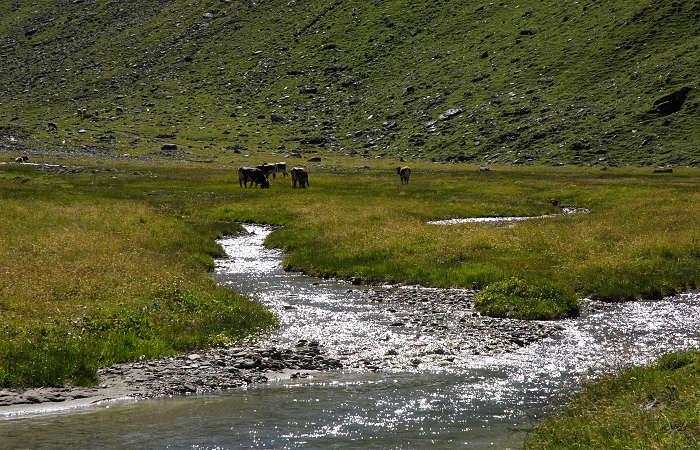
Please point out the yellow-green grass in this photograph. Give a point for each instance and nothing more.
(644, 407)
(89, 280)
(640, 240)
(76, 245)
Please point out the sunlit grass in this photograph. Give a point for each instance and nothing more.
(106, 246)
(643, 407)
(90, 281)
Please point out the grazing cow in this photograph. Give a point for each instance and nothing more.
(267, 169)
(301, 176)
(21, 159)
(51, 126)
(404, 173)
(252, 175)
(281, 168)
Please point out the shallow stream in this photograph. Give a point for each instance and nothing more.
(422, 369)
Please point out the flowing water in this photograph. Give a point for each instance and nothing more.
(464, 394)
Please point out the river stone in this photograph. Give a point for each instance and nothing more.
(246, 364)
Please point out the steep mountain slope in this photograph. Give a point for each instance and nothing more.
(512, 82)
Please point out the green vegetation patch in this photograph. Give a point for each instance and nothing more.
(516, 299)
(644, 407)
(89, 280)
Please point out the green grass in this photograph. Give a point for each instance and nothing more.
(109, 263)
(643, 407)
(560, 83)
(515, 299)
(89, 280)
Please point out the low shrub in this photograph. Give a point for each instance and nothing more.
(516, 299)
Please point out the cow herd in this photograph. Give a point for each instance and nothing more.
(260, 175)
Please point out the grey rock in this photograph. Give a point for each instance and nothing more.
(450, 113)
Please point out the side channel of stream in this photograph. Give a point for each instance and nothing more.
(421, 368)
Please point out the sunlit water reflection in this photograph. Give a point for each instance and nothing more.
(476, 400)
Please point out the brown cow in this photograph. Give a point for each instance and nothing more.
(252, 175)
(404, 173)
(300, 175)
(267, 169)
(21, 159)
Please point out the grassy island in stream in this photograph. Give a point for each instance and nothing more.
(106, 261)
(515, 299)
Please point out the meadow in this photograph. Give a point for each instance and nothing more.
(109, 263)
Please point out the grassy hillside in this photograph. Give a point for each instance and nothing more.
(536, 81)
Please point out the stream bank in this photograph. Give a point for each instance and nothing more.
(420, 368)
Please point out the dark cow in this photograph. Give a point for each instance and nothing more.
(301, 176)
(21, 159)
(267, 169)
(252, 175)
(281, 168)
(404, 173)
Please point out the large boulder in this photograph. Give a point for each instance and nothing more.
(671, 103)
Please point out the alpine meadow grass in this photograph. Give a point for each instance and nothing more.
(109, 263)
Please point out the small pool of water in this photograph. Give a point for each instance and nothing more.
(564, 212)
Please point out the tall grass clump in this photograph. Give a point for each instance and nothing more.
(516, 299)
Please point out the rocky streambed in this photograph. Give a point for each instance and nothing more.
(440, 329)
(327, 325)
(418, 367)
(195, 373)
